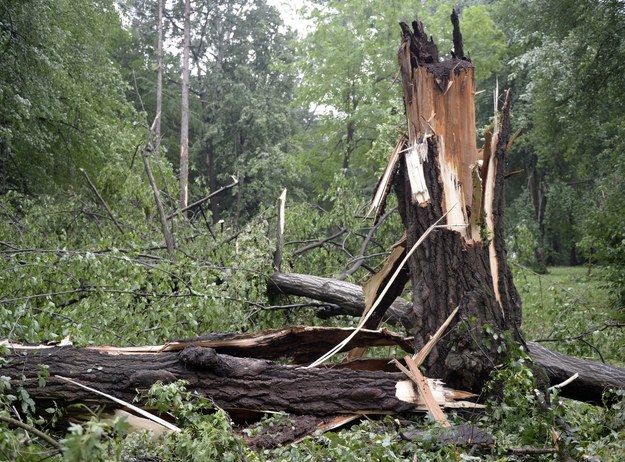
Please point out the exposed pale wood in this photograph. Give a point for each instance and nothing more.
(385, 183)
(374, 286)
(300, 344)
(380, 302)
(422, 354)
(426, 393)
(125, 404)
(277, 258)
(463, 263)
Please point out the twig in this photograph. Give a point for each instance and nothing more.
(48, 439)
(425, 391)
(565, 383)
(360, 258)
(201, 201)
(102, 201)
(514, 172)
(318, 243)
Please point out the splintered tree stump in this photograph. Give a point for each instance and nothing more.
(463, 262)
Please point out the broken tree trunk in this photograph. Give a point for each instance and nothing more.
(594, 377)
(463, 262)
(233, 383)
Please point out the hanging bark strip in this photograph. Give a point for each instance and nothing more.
(464, 263)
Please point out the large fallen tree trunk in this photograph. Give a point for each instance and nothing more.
(594, 377)
(233, 383)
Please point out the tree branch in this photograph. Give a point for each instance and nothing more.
(201, 201)
(102, 201)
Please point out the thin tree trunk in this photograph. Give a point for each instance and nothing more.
(159, 82)
(536, 187)
(212, 178)
(169, 238)
(184, 124)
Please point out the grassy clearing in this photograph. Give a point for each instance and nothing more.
(569, 311)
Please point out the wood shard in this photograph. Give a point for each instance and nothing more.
(428, 393)
(384, 184)
(415, 158)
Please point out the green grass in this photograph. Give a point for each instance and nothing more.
(569, 311)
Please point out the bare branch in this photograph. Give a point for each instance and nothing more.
(318, 243)
(102, 201)
(201, 201)
(169, 238)
(360, 258)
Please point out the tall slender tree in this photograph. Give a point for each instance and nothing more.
(159, 80)
(184, 120)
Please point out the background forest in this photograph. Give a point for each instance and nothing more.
(315, 107)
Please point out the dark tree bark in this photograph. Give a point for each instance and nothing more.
(463, 263)
(232, 383)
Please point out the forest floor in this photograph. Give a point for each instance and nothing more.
(568, 310)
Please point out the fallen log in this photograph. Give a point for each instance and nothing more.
(233, 383)
(349, 297)
(594, 377)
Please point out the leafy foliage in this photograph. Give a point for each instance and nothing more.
(62, 102)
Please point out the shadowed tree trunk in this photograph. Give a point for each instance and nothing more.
(462, 262)
(159, 81)
(536, 188)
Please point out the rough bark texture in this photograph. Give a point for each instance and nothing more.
(233, 383)
(462, 264)
(594, 377)
(349, 296)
